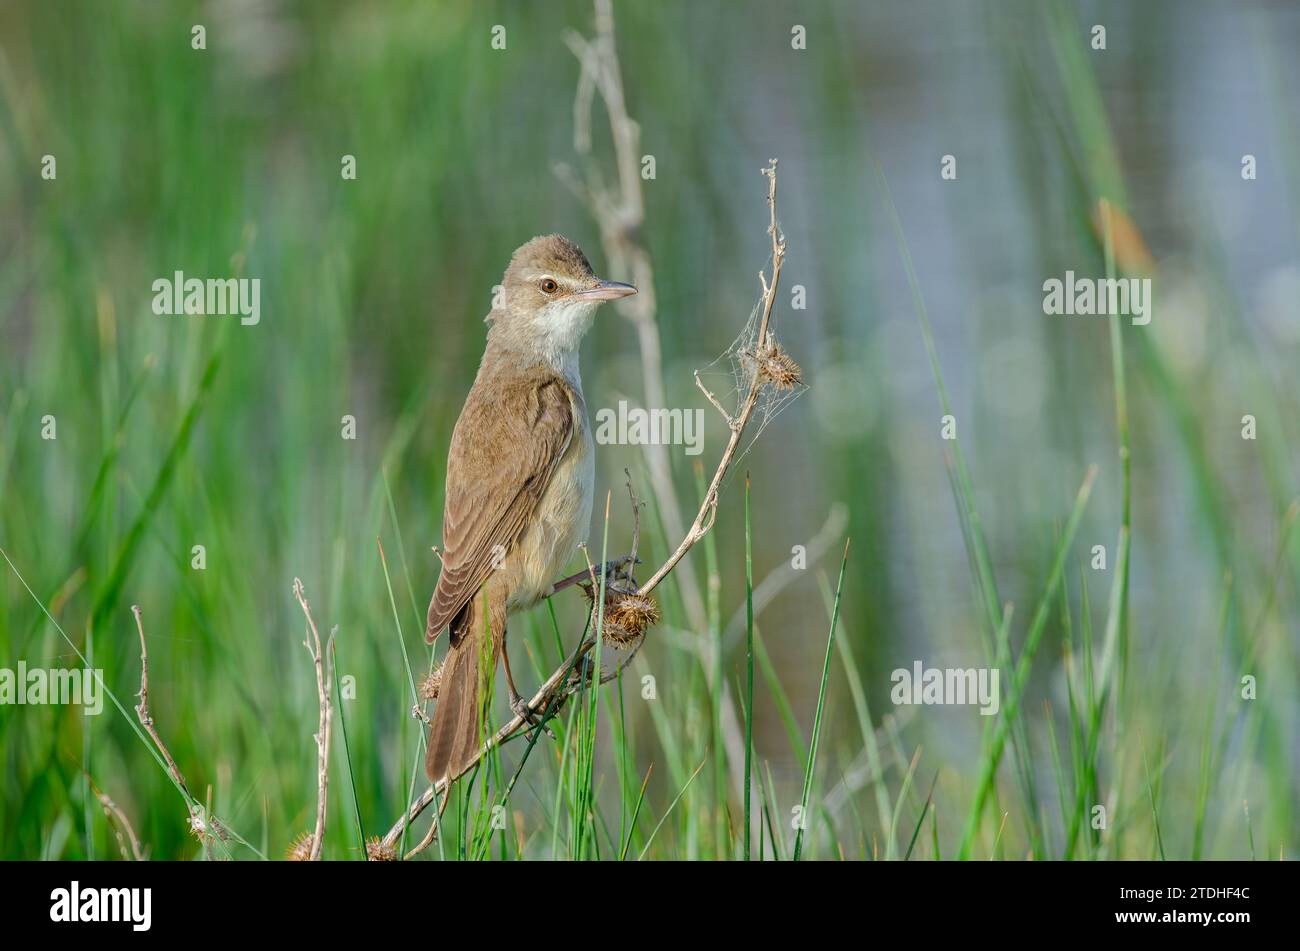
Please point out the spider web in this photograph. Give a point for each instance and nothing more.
(731, 374)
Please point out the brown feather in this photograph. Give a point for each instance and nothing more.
(456, 735)
(511, 434)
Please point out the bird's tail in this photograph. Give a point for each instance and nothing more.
(464, 692)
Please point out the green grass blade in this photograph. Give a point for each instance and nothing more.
(749, 663)
(1011, 707)
(821, 704)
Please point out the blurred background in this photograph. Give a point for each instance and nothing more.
(181, 431)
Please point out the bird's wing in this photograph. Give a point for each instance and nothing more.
(503, 452)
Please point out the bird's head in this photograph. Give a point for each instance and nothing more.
(550, 293)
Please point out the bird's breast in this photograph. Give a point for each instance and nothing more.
(563, 516)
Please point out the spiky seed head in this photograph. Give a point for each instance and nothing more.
(627, 614)
(618, 634)
(635, 612)
(773, 365)
(300, 849)
(429, 686)
(780, 368)
(377, 851)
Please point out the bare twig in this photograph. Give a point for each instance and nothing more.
(119, 823)
(323, 660)
(731, 423)
(428, 836)
(620, 212)
(545, 693)
(205, 826)
(142, 708)
(637, 505)
(704, 517)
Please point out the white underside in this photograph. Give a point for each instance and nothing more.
(558, 329)
(564, 511)
(562, 522)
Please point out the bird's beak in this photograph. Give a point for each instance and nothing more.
(606, 290)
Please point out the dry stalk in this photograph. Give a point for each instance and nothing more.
(705, 517)
(120, 824)
(142, 708)
(202, 824)
(619, 211)
(323, 660)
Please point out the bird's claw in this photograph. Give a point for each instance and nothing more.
(611, 570)
(619, 564)
(525, 712)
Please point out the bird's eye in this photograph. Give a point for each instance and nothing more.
(549, 286)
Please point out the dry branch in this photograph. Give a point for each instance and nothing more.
(708, 508)
(619, 210)
(120, 824)
(323, 660)
(205, 826)
(142, 708)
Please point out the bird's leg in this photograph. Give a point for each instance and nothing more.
(517, 703)
(584, 576)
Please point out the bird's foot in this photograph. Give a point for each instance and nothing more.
(617, 573)
(583, 579)
(618, 565)
(530, 716)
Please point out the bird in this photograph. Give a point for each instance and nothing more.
(519, 485)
